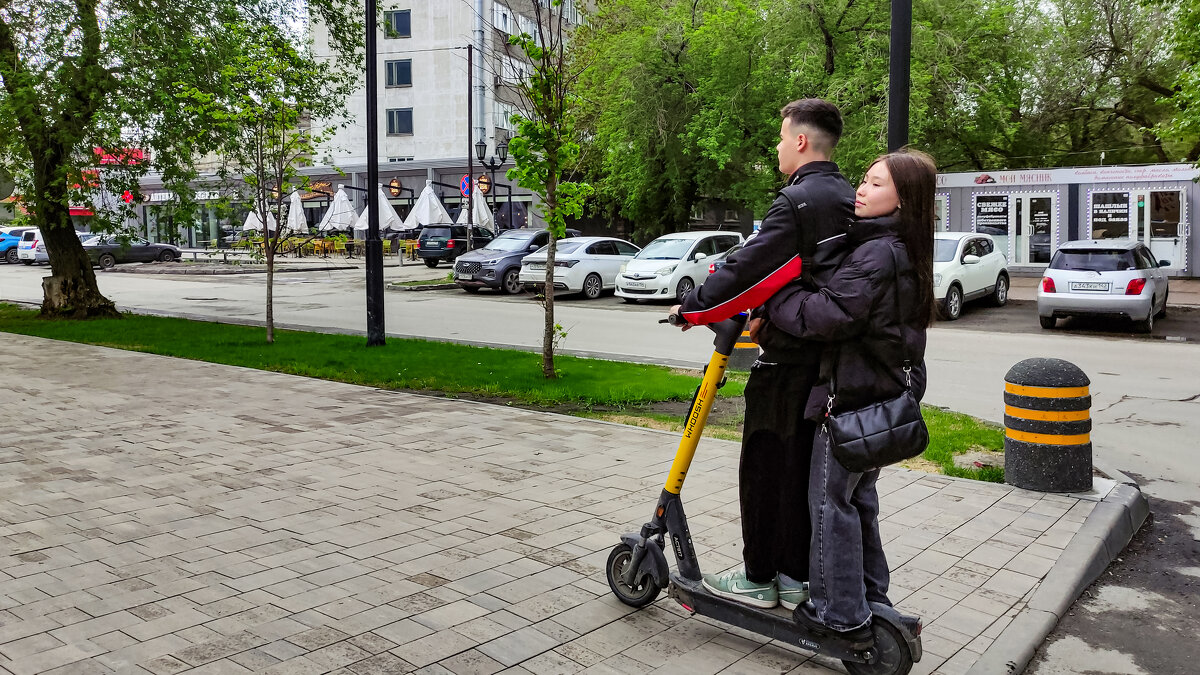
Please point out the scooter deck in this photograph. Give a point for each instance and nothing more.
(776, 623)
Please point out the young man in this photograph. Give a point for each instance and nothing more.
(800, 241)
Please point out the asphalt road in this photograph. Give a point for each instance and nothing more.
(1145, 389)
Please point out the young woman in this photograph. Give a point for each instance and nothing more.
(873, 315)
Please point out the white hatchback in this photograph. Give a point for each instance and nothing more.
(587, 265)
(967, 266)
(672, 265)
(32, 248)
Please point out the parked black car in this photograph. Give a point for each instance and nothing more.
(108, 250)
(498, 264)
(445, 242)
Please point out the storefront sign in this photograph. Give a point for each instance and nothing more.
(1110, 215)
(316, 190)
(395, 187)
(1154, 173)
(991, 214)
(168, 196)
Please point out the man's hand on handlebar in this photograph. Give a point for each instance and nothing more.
(676, 319)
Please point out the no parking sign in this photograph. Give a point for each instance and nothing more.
(464, 185)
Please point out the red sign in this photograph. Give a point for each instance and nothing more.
(464, 185)
(125, 156)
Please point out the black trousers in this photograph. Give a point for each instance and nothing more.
(773, 477)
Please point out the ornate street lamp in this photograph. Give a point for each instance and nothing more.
(492, 163)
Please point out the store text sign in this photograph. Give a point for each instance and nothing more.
(1152, 173)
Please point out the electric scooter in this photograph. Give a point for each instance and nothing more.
(637, 567)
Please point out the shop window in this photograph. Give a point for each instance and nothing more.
(941, 217)
(1110, 215)
(1165, 214)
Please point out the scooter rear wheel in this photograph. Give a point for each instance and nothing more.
(640, 595)
(894, 657)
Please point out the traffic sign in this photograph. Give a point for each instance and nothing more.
(464, 185)
(484, 183)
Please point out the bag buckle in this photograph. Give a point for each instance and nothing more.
(908, 374)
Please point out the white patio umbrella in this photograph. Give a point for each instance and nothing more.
(427, 210)
(296, 222)
(483, 215)
(340, 216)
(253, 223)
(388, 219)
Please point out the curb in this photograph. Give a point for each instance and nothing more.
(1103, 536)
(221, 271)
(428, 287)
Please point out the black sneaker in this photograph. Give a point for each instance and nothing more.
(859, 638)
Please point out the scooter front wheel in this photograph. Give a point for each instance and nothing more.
(893, 656)
(642, 593)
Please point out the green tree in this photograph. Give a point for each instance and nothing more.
(262, 120)
(545, 148)
(84, 74)
(1184, 126)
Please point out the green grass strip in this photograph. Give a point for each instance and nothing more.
(457, 369)
(400, 364)
(952, 433)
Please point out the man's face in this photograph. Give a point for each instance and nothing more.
(790, 143)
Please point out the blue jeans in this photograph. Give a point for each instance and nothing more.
(847, 567)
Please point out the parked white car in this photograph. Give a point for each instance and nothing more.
(966, 267)
(587, 265)
(1104, 278)
(32, 247)
(672, 265)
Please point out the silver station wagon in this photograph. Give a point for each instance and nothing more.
(1104, 278)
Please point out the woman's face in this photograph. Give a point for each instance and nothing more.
(876, 194)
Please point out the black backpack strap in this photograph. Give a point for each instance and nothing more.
(806, 238)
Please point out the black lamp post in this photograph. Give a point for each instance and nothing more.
(899, 52)
(492, 163)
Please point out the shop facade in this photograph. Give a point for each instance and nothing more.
(1030, 213)
(158, 220)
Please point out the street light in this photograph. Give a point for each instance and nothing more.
(492, 163)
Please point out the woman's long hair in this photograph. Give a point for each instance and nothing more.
(915, 176)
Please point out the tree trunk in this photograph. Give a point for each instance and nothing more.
(548, 331)
(270, 290)
(71, 290)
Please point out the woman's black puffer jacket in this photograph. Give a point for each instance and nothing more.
(856, 316)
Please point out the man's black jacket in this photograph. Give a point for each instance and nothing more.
(817, 197)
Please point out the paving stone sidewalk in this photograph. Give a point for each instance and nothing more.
(166, 516)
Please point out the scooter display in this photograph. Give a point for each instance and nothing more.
(637, 567)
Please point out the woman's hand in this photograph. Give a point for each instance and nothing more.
(756, 326)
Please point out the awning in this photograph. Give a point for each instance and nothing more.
(80, 211)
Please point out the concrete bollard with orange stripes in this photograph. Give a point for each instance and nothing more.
(745, 353)
(1047, 426)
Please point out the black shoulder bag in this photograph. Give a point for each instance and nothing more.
(881, 433)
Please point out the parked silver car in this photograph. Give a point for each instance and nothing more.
(1104, 278)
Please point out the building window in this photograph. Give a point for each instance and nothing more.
(503, 113)
(400, 159)
(398, 23)
(399, 73)
(732, 216)
(502, 19)
(400, 122)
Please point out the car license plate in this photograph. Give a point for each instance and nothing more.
(466, 277)
(537, 266)
(634, 284)
(1090, 285)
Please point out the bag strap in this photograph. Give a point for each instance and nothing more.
(830, 357)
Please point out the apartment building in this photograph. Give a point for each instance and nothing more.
(424, 130)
